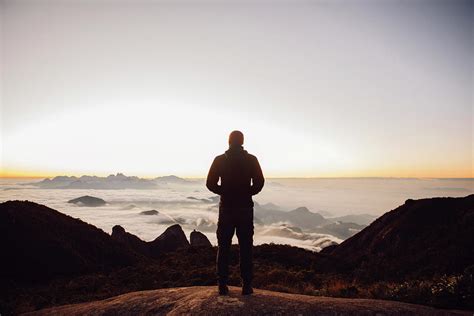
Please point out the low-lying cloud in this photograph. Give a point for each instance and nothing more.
(285, 211)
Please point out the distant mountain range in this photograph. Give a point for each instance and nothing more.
(296, 222)
(111, 182)
(53, 258)
(360, 219)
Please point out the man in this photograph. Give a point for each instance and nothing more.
(241, 177)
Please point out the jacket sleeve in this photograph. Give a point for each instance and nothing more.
(213, 178)
(257, 178)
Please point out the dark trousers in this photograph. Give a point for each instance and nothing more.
(239, 219)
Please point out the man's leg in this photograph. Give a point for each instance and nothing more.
(245, 236)
(225, 231)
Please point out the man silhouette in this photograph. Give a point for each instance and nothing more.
(241, 177)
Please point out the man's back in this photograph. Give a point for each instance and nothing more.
(240, 175)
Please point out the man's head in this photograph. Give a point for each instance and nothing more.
(236, 138)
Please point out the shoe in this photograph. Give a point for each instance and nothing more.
(223, 289)
(247, 289)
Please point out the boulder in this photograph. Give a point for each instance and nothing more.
(198, 239)
(131, 241)
(172, 239)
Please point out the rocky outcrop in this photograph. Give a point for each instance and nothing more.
(131, 241)
(150, 212)
(87, 200)
(198, 239)
(172, 239)
(203, 300)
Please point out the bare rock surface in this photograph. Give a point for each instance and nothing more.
(198, 239)
(204, 300)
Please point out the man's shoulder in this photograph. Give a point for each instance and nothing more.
(247, 155)
(219, 157)
(252, 157)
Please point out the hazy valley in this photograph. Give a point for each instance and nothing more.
(308, 213)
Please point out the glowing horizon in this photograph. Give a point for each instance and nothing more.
(51, 174)
(319, 89)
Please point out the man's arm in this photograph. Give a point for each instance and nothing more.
(257, 178)
(213, 178)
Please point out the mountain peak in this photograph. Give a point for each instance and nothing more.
(170, 179)
(171, 239)
(198, 239)
(302, 210)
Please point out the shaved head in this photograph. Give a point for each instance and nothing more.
(236, 138)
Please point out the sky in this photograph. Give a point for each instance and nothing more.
(319, 88)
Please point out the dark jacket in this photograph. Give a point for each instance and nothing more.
(241, 177)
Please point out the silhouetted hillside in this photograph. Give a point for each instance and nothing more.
(420, 238)
(420, 252)
(38, 243)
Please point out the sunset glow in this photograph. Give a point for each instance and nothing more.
(336, 91)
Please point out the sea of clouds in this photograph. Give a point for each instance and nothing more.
(189, 204)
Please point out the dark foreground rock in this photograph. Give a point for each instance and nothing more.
(88, 200)
(38, 243)
(173, 238)
(420, 238)
(203, 300)
(198, 239)
(420, 252)
(130, 241)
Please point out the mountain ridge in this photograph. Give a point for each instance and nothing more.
(111, 182)
(41, 242)
(436, 235)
